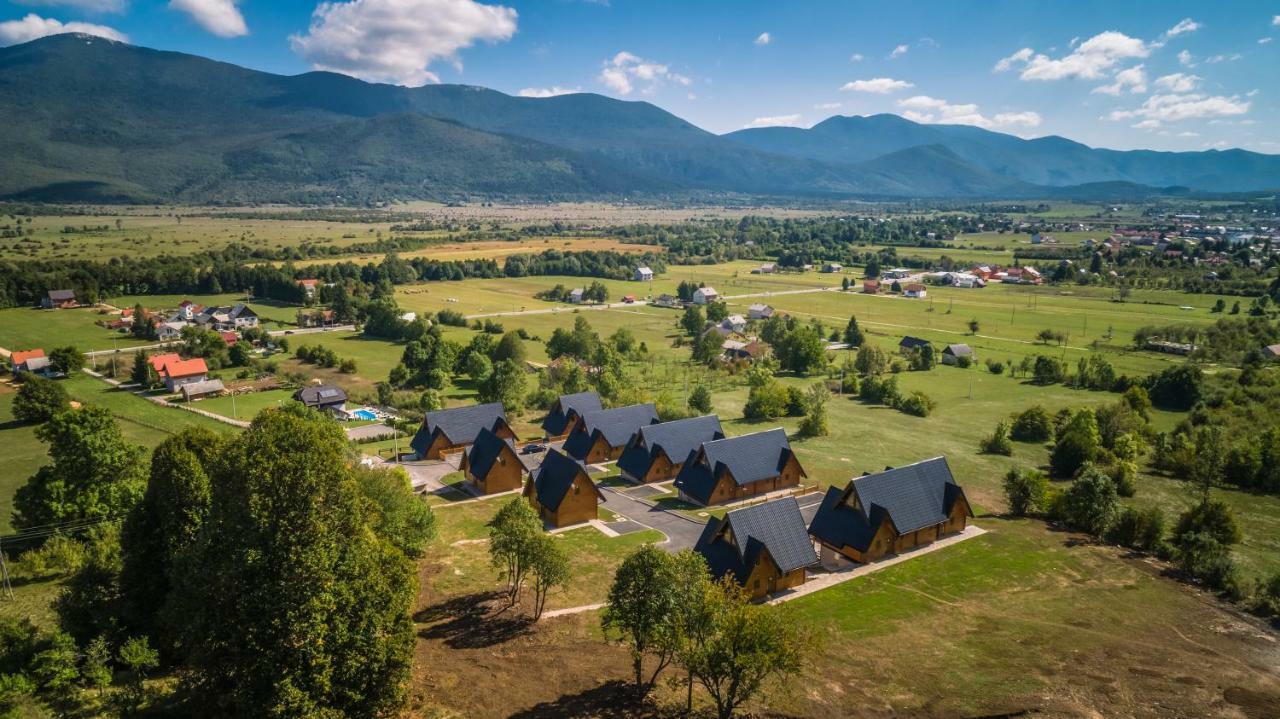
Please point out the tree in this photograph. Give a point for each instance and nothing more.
(143, 374)
(478, 367)
(1090, 504)
(803, 351)
(707, 347)
(973, 326)
(1176, 388)
(66, 360)
(814, 423)
(96, 668)
(871, 360)
(1025, 491)
(642, 603)
(852, 333)
(39, 399)
(510, 347)
(288, 535)
(1209, 461)
(1032, 425)
(1048, 370)
(55, 673)
(513, 534)
(94, 473)
(700, 399)
(507, 384)
(924, 358)
(240, 354)
(741, 646)
(1077, 444)
(139, 659)
(396, 513)
(1211, 517)
(766, 399)
(692, 321)
(998, 442)
(717, 311)
(550, 568)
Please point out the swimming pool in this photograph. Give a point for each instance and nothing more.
(364, 414)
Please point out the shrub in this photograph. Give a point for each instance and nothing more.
(700, 399)
(39, 399)
(347, 366)
(1032, 425)
(453, 318)
(1026, 491)
(1140, 529)
(1211, 517)
(917, 403)
(1207, 560)
(998, 442)
(1089, 505)
(995, 366)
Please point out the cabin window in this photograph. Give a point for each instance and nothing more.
(575, 489)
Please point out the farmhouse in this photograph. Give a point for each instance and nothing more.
(656, 452)
(207, 388)
(562, 493)
(734, 323)
(767, 268)
(759, 311)
(492, 465)
(897, 273)
(59, 299)
(187, 311)
(871, 287)
(952, 353)
(890, 512)
(450, 429)
(30, 361)
(1271, 352)
(566, 412)
(324, 397)
(575, 295)
(603, 434)
(309, 287)
(725, 470)
(179, 372)
(910, 344)
(704, 295)
(169, 331)
(643, 274)
(915, 290)
(765, 548)
(668, 301)
(233, 317)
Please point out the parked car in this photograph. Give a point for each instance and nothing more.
(533, 448)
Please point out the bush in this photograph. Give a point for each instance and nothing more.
(1048, 370)
(917, 403)
(995, 366)
(452, 318)
(1140, 529)
(1125, 475)
(59, 557)
(879, 390)
(998, 442)
(1026, 491)
(1207, 560)
(700, 399)
(348, 366)
(1032, 425)
(1211, 517)
(1090, 504)
(964, 362)
(795, 402)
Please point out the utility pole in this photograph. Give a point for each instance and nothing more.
(234, 414)
(4, 576)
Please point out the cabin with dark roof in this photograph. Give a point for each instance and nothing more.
(656, 452)
(562, 492)
(491, 464)
(603, 434)
(951, 354)
(891, 512)
(765, 547)
(445, 430)
(322, 397)
(59, 299)
(726, 470)
(910, 344)
(568, 409)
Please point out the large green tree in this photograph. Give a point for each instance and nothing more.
(641, 610)
(39, 399)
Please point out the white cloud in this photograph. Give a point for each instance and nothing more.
(828, 106)
(775, 121)
(763, 39)
(899, 51)
(1177, 107)
(1133, 79)
(1185, 26)
(33, 26)
(397, 40)
(1089, 60)
(547, 91)
(876, 85)
(1185, 59)
(1223, 58)
(87, 5)
(1275, 20)
(1146, 125)
(1188, 133)
(220, 17)
(1178, 82)
(925, 109)
(625, 70)
(1264, 41)
(856, 57)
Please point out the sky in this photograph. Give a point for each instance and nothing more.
(1162, 75)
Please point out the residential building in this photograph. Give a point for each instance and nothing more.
(643, 274)
(309, 287)
(562, 492)
(575, 295)
(767, 268)
(890, 512)
(170, 331)
(910, 344)
(915, 290)
(59, 299)
(897, 273)
(566, 412)
(603, 434)
(765, 548)
(324, 397)
(668, 301)
(951, 354)
(871, 287)
(445, 430)
(726, 470)
(832, 267)
(656, 452)
(30, 361)
(491, 464)
(734, 323)
(177, 373)
(705, 295)
(759, 311)
(739, 351)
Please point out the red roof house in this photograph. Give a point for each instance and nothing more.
(179, 372)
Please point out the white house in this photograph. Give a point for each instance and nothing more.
(704, 295)
(759, 311)
(643, 274)
(964, 279)
(575, 296)
(767, 268)
(897, 273)
(915, 290)
(734, 323)
(170, 331)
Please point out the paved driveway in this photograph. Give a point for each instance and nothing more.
(426, 476)
(682, 532)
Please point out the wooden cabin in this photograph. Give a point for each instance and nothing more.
(891, 512)
(764, 547)
(726, 470)
(567, 412)
(562, 492)
(491, 464)
(602, 435)
(656, 452)
(451, 429)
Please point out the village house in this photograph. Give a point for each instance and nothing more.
(832, 267)
(160, 361)
(445, 430)
(668, 301)
(656, 452)
(562, 492)
(309, 287)
(734, 323)
(705, 295)
(871, 287)
(179, 372)
(915, 290)
(1271, 352)
(229, 338)
(59, 299)
(233, 317)
(170, 331)
(739, 351)
(566, 412)
(33, 361)
(897, 273)
(963, 280)
(759, 311)
(603, 434)
(491, 464)
(187, 311)
(319, 318)
(643, 274)
(575, 295)
(726, 470)
(765, 548)
(324, 397)
(909, 345)
(767, 268)
(206, 388)
(890, 512)
(951, 354)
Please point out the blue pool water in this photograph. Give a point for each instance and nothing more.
(364, 414)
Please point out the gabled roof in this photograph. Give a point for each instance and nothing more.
(35, 364)
(484, 452)
(321, 394)
(748, 458)
(19, 357)
(566, 406)
(776, 527)
(459, 425)
(185, 368)
(615, 425)
(160, 361)
(208, 386)
(912, 497)
(556, 476)
(677, 439)
(912, 342)
(958, 350)
(62, 295)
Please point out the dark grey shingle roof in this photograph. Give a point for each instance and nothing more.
(568, 405)
(775, 526)
(749, 458)
(324, 394)
(616, 425)
(912, 342)
(62, 295)
(459, 425)
(555, 477)
(676, 438)
(959, 350)
(484, 452)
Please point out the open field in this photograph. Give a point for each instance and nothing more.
(497, 250)
(245, 406)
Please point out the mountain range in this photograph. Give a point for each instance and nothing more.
(90, 119)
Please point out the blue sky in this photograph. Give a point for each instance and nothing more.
(1168, 75)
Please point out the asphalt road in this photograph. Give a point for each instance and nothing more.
(682, 532)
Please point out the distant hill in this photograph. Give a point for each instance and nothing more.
(95, 120)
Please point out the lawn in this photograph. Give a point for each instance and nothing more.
(244, 406)
(21, 454)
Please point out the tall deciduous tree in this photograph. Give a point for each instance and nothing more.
(642, 603)
(513, 532)
(39, 399)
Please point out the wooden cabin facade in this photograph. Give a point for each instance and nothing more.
(566, 413)
(562, 492)
(448, 430)
(728, 470)
(657, 452)
(492, 465)
(601, 436)
(765, 548)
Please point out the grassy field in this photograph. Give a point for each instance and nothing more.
(245, 406)
(498, 249)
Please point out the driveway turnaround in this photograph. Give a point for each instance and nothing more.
(682, 532)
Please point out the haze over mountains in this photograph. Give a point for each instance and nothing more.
(88, 119)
